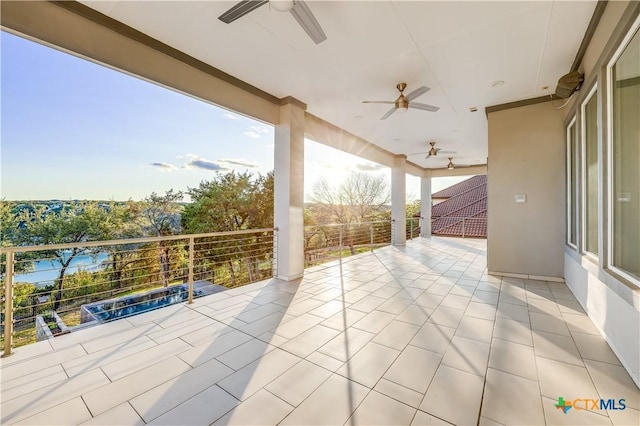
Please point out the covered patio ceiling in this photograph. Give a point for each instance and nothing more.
(458, 49)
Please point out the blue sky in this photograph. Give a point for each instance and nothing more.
(73, 129)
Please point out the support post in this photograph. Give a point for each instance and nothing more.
(191, 256)
(425, 205)
(399, 201)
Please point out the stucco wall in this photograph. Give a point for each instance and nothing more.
(526, 156)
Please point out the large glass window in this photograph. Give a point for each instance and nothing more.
(624, 76)
(572, 225)
(590, 149)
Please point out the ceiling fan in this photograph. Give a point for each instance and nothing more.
(452, 166)
(298, 9)
(433, 151)
(404, 102)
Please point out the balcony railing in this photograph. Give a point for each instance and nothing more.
(465, 227)
(324, 243)
(53, 289)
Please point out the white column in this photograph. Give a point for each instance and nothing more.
(399, 201)
(289, 192)
(425, 204)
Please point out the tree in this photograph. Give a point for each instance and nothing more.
(82, 222)
(361, 197)
(232, 202)
(159, 215)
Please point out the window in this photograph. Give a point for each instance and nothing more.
(572, 225)
(624, 157)
(590, 173)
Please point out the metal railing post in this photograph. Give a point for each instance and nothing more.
(8, 305)
(340, 247)
(393, 231)
(191, 256)
(411, 228)
(463, 227)
(371, 236)
(275, 253)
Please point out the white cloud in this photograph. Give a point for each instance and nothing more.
(260, 129)
(251, 134)
(164, 166)
(241, 163)
(203, 163)
(231, 116)
(368, 167)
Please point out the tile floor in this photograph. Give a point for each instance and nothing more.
(413, 335)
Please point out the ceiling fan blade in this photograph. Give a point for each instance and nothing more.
(415, 93)
(447, 152)
(388, 114)
(241, 9)
(418, 153)
(379, 102)
(424, 107)
(308, 22)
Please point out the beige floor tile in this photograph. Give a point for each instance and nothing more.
(594, 348)
(500, 390)
(346, 344)
(119, 391)
(513, 331)
(50, 396)
(174, 392)
(302, 307)
(299, 382)
(573, 417)
(354, 296)
(441, 287)
(414, 368)
(467, 355)
(513, 358)
(475, 329)
(378, 409)
(203, 409)
(448, 317)
(343, 319)
(263, 408)
(484, 421)
(368, 366)
(439, 401)
(121, 338)
(89, 333)
(309, 341)
(31, 382)
(556, 347)
(548, 323)
(625, 417)
(325, 361)
(415, 314)
(481, 310)
(70, 412)
(570, 307)
(513, 312)
(613, 381)
(32, 365)
(123, 414)
(27, 352)
(455, 301)
(463, 290)
(580, 324)
(331, 404)
(209, 350)
(268, 323)
(251, 315)
(422, 419)
(251, 378)
(374, 321)
(291, 329)
(157, 315)
(433, 337)
(429, 300)
(129, 365)
(328, 309)
(368, 304)
(399, 392)
(97, 359)
(207, 334)
(562, 379)
(395, 305)
(244, 354)
(485, 297)
(396, 335)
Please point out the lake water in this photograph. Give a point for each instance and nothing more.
(46, 271)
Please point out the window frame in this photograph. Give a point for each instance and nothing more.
(583, 174)
(635, 28)
(571, 192)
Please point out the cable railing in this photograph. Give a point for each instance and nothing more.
(465, 227)
(334, 241)
(54, 289)
(413, 227)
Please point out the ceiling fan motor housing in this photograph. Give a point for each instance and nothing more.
(569, 83)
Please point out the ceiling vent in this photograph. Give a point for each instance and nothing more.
(569, 83)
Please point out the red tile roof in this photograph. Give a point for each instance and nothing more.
(464, 213)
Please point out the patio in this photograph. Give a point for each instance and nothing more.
(402, 335)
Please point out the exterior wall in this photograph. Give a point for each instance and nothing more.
(612, 303)
(526, 156)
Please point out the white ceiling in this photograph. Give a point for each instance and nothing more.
(456, 48)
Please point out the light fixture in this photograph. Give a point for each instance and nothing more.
(450, 166)
(282, 5)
